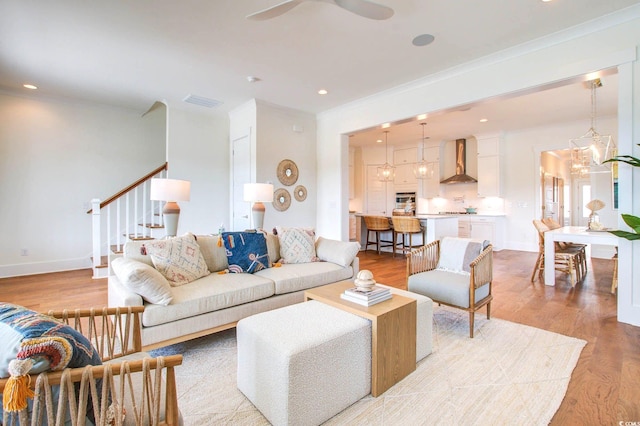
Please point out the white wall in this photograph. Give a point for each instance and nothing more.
(198, 151)
(287, 134)
(609, 43)
(55, 156)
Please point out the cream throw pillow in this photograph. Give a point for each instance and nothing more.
(296, 245)
(179, 259)
(339, 252)
(142, 279)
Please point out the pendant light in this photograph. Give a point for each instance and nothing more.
(386, 172)
(423, 169)
(591, 150)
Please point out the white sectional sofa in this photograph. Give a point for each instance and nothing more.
(219, 300)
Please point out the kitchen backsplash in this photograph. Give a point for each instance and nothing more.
(458, 198)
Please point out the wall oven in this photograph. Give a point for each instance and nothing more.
(406, 201)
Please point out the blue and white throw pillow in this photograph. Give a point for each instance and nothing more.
(246, 251)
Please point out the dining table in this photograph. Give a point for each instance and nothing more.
(572, 234)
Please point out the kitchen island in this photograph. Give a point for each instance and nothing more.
(436, 225)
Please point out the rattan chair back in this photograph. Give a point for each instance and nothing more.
(377, 223)
(406, 225)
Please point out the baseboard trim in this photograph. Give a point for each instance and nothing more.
(35, 268)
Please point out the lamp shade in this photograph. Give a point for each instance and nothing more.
(258, 192)
(170, 190)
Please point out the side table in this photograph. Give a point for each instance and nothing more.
(393, 332)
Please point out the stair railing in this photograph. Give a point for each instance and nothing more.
(128, 214)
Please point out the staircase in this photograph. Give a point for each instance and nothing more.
(128, 215)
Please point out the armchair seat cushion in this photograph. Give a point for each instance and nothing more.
(445, 286)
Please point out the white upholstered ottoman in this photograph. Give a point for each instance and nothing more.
(304, 363)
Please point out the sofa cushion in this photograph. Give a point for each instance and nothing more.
(179, 259)
(338, 252)
(457, 253)
(208, 294)
(48, 343)
(445, 286)
(301, 276)
(296, 245)
(273, 247)
(214, 256)
(246, 251)
(143, 279)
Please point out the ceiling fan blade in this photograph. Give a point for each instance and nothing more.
(273, 11)
(366, 9)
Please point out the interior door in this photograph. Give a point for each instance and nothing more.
(241, 174)
(582, 195)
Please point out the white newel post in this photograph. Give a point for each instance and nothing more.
(95, 224)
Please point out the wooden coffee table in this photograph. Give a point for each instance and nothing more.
(393, 332)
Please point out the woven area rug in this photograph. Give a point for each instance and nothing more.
(507, 374)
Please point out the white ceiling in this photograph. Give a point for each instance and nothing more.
(133, 53)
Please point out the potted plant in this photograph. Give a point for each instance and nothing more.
(632, 221)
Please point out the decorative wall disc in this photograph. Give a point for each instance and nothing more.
(281, 199)
(287, 172)
(300, 193)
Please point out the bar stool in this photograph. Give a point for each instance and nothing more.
(407, 226)
(377, 224)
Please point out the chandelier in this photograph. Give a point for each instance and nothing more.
(591, 150)
(423, 169)
(386, 172)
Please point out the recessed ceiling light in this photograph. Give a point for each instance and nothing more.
(322, 92)
(423, 40)
(484, 120)
(546, 1)
(252, 79)
(386, 125)
(421, 117)
(29, 86)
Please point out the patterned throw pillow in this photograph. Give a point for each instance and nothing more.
(179, 259)
(48, 343)
(297, 245)
(246, 251)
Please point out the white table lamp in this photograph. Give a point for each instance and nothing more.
(170, 190)
(258, 193)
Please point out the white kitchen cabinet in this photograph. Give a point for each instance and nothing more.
(488, 228)
(405, 156)
(405, 178)
(431, 185)
(482, 229)
(353, 234)
(463, 228)
(489, 166)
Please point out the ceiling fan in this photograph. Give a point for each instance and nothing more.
(364, 8)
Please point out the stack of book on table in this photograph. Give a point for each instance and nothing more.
(366, 298)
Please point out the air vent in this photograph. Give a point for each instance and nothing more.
(202, 101)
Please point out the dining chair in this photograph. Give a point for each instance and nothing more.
(553, 224)
(377, 225)
(569, 260)
(406, 227)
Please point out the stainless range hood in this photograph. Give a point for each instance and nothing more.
(461, 165)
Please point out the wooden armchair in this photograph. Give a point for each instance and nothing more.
(129, 388)
(446, 286)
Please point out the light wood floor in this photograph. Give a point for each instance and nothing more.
(604, 388)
